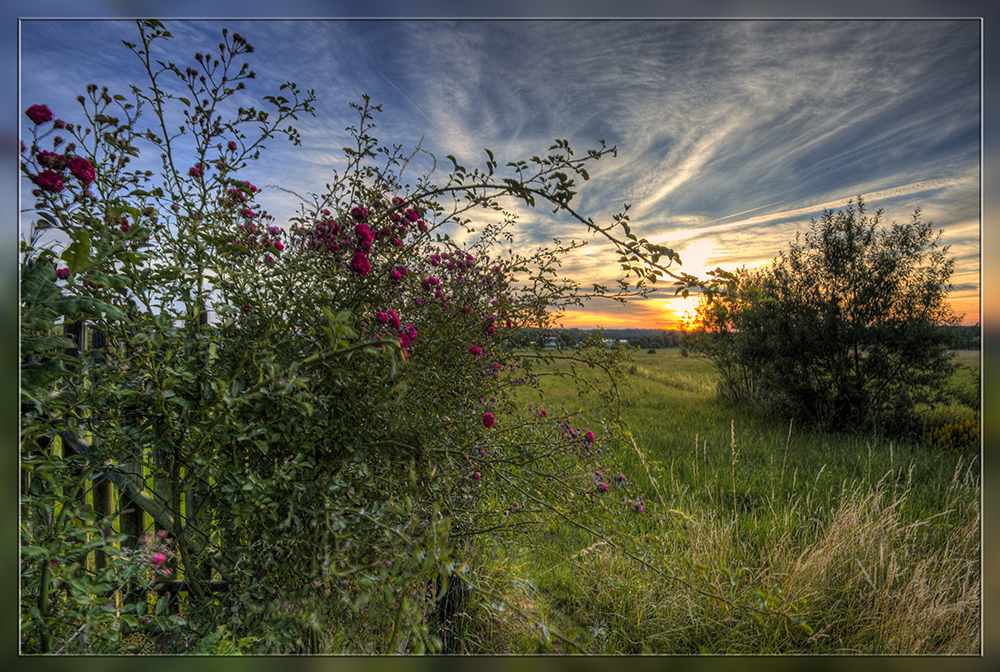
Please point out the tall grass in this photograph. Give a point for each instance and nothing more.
(757, 538)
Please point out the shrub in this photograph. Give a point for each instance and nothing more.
(333, 442)
(845, 330)
(957, 437)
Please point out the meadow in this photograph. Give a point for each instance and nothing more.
(757, 537)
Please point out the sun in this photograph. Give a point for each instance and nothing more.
(681, 311)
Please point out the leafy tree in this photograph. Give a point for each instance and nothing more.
(850, 328)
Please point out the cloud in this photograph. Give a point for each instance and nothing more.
(730, 134)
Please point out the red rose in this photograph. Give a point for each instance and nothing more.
(360, 264)
(39, 114)
(81, 169)
(51, 159)
(50, 181)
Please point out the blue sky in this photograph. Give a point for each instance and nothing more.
(731, 135)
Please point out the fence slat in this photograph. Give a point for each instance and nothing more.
(140, 501)
(193, 523)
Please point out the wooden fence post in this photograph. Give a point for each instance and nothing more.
(103, 488)
(198, 517)
(132, 520)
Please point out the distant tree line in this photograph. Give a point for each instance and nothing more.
(567, 338)
(964, 338)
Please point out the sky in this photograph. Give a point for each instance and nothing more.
(731, 134)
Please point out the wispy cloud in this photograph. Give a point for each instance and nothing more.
(713, 120)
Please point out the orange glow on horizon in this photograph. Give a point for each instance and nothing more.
(675, 313)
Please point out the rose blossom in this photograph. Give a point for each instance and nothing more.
(51, 159)
(50, 181)
(364, 236)
(81, 169)
(39, 114)
(488, 420)
(62, 273)
(360, 264)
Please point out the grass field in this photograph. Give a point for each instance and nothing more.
(757, 537)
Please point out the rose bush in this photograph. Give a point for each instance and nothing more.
(344, 427)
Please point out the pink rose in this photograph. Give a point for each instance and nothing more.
(360, 264)
(364, 236)
(39, 114)
(50, 181)
(488, 420)
(81, 169)
(51, 160)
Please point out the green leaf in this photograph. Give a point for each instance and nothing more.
(40, 374)
(71, 305)
(77, 255)
(32, 551)
(41, 343)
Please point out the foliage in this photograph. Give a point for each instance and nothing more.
(337, 438)
(959, 437)
(829, 529)
(848, 329)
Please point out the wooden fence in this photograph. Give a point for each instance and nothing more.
(143, 494)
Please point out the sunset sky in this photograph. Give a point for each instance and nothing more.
(731, 135)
